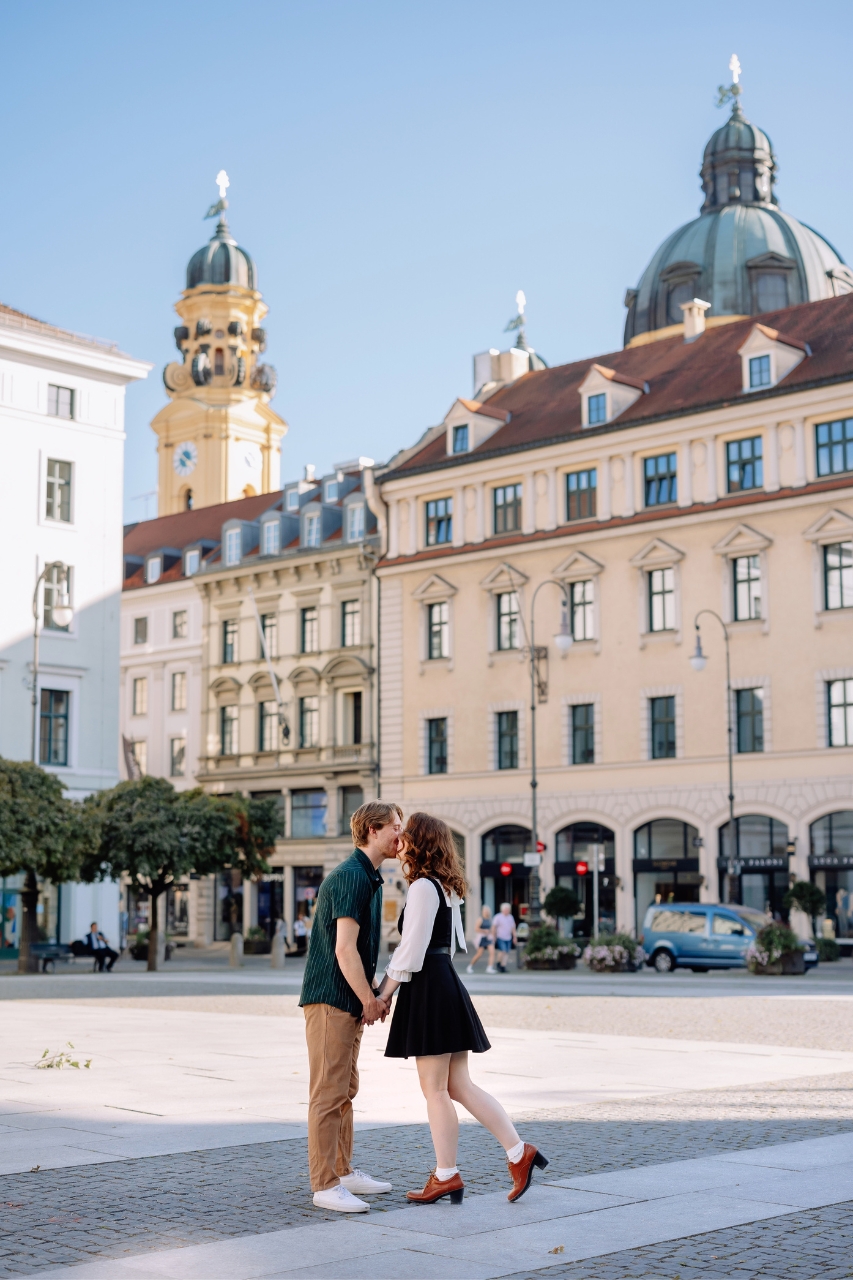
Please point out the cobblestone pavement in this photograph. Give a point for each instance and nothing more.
(64, 1216)
(799, 1246)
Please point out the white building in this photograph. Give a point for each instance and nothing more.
(62, 439)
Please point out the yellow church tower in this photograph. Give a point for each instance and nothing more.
(218, 438)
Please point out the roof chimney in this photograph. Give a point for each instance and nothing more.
(694, 318)
(310, 469)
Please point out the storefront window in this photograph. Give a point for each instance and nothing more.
(10, 914)
(666, 864)
(758, 876)
(575, 844)
(271, 901)
(831, 865)
(306, 884)
(505, 845)
(178, 911)
(229, 905)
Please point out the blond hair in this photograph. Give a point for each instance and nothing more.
(375, 814)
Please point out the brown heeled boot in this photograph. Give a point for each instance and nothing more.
(434, 1190)
(521, 1171)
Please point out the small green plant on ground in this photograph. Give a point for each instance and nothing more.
(808, 897)
(828, 950)
(50, 1061)
(772, 943)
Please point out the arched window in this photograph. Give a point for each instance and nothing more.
(758, 876)
(831, 865)
(188, 500)
(576, 844)
(501, 845)
(219, 362)
(666, 864)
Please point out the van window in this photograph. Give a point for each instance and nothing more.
(725, 924)
(678, 922)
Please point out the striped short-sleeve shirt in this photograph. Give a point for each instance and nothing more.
(353, 889)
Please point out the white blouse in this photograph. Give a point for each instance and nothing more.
(421, 910)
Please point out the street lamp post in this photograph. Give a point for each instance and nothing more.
(698, 661)
(62, 615)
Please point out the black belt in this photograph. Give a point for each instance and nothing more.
(437, 951)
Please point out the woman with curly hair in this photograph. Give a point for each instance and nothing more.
(434, 1020)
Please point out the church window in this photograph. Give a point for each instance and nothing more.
(219, 362)
(60, 402)
(661, 479)
(834, 447)
(460, 439)
(759, 371)
(58, 504)
(580, 494)
(771, 291)
(597, 409)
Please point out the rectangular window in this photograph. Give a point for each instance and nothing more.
(229, 640)
(57, 588)
(662, 724)
(331, 490)
(662, 600)
(749, 707)
(271, 538)
(269, 630)
(507, 508)
(58, 495)
(179, 690)
(597, 409)
(834, 447)
(228, 731)
(309, 721)
(60, 402)
(233, 546)
(439, 521)
(153, 568)
(177, 757)
(219, 363)
(139, 751)
(661, 477)
(438, 629)
(355, 522)
(312, 529)
(580, 494)
(310, 629)
(582, 596)
(352, 798)
(179, 624)
(759, 371)
(140, 630)
(583, 733)
(353, 718)
(507, 727)
(838, 575)
(307, 814)
(140, 696)
(192, 561)
(53, 737)
(437, 745)
(350, 623)
(746, 580)
(744, 464)
(839, 694)
(460, 439)
(508, 620)
(293, 499)
(268, 726)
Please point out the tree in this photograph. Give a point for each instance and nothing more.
(561, 903)
(38, 839)
(808, 897)
(156, 835)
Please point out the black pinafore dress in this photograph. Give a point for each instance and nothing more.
(433, 1013)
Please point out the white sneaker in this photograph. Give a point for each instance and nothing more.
(363, 1185)
(341, 1200)
(491, 969)
(470, 969)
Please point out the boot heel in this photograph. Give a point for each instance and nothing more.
(456, 1196)
(540, 1161)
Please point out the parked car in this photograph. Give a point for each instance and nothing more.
(703, 936)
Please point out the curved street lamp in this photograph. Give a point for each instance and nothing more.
(698, 662)
(62, 613)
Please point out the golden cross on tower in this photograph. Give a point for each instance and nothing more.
(731, 92)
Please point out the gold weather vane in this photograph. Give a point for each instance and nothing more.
(223, 182)
(731, 92)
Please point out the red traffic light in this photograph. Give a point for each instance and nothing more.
(540, 847)
(581, 868)
(506, 868)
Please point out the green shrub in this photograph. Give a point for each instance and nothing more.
(828, 950)
(256, 934)
(561, 903)
(808, 897)
(540, 937)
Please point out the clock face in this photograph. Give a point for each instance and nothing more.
(251, 456)
(185, 459)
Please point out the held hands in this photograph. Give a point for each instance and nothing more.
(376, 1009)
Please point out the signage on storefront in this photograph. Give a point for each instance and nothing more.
(506, 868)
(532, 859)
(821, 861)
(740, 865)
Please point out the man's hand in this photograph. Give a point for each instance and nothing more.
(373, 1010)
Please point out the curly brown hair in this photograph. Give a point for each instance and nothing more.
(429, 849)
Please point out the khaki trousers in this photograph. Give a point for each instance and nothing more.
(334, 1039)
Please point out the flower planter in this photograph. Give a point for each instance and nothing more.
(539, 962)
(256, 947)
(792, 962)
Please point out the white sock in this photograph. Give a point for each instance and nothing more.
(514, 1154)
(444, 1175)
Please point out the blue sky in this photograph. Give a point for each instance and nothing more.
(398, 171)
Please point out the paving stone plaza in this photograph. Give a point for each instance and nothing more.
(696, 1125)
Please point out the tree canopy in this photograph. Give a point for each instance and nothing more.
(36, 824)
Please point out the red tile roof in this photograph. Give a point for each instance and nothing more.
(683, 378)
(186, 527)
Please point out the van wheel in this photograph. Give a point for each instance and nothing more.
(663, 962)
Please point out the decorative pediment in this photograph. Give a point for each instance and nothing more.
(577, 567)
(435, 588)
(478, 420)
(304, 676)
(783, 351)
(834, 525)
(225, 686)
(504, 577)
(742, 540)
(657, 554)
(260, 680)
(349, 667)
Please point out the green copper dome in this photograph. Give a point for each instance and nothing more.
(221, 261)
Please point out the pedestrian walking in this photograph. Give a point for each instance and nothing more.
(434, 1020)
(483, 936)
(339, 999)
(504, 935)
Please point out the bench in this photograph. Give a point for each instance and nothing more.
(47, 953)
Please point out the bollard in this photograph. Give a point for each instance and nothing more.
(236, 958)
(277, 949)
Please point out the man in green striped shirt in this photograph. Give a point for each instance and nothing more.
(339, 998)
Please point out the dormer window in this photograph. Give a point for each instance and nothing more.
(192, 562)
(293, 499)
(355, 522)
(759, 371)
(460, 438)
(270, 538)
(153, 569)
(312, 529)
(331, 490)
(597, 409)
(232, 546)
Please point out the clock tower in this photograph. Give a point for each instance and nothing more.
(218, 438)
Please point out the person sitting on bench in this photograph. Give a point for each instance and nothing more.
(100, 948)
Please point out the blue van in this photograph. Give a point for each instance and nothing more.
(702, 936)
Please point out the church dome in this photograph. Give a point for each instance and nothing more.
(742, 254)
(221, 261)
